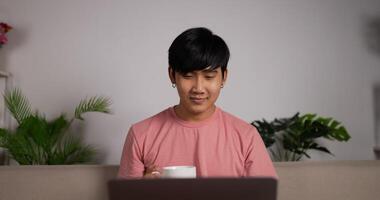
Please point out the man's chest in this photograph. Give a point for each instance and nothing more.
(211, 155)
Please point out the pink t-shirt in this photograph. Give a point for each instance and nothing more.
(220, 146)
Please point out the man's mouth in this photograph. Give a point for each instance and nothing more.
(197, 100)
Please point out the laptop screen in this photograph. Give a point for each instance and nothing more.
(193, 189)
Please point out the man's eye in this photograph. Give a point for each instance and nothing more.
(210, 77)
(187, 75)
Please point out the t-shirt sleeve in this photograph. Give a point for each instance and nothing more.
(131, 164)
(258, 162)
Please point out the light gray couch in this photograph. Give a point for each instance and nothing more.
(319, 180)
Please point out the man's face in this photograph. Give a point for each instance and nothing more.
(198, 90)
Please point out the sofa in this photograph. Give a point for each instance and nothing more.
(307, 180)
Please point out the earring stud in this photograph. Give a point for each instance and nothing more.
(173, 85)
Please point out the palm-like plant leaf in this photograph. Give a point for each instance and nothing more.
(17, 104)
(72, 151)
(3, 137)
(39, 141)
(24, 150)
(93, 104)
(35, 127)
(57, 128)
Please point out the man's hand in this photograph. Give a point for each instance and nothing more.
(152, 172)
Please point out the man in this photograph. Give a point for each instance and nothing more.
(196, 132)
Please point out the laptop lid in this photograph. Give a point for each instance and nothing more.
(193, 189)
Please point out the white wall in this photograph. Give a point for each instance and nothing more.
(287, 56)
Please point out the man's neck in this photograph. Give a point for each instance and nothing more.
(186, 115)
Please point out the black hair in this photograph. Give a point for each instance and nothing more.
(197, 49)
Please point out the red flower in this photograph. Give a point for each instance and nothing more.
(4, 28)
(3, 39)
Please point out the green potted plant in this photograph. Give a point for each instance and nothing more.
(38, 141)
(289, 139)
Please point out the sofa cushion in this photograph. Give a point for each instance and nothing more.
(65, 182)
(309, 180)
(346, 180)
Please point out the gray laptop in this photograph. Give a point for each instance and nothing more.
(194, 189)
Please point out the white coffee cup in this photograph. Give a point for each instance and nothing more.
(179, 172)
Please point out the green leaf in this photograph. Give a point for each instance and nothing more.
(36, 128)
(23, 150)
(334, 124)
(324, 121)
(94, 104)
(4, 134)
(72, 151)
(341, 134)
(17, 104)
(57, 128)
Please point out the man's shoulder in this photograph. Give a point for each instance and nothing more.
(234, 120)
(236, 123)
(151, 122)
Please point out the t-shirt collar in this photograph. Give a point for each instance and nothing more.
(194, 124)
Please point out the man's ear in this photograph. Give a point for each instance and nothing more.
(171, 74)
(225, 74)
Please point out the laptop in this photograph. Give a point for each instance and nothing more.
(193, 189)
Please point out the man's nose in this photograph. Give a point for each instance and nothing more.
(198, 85)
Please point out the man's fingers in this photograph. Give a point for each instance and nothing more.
(152, 172)
(155, 173)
